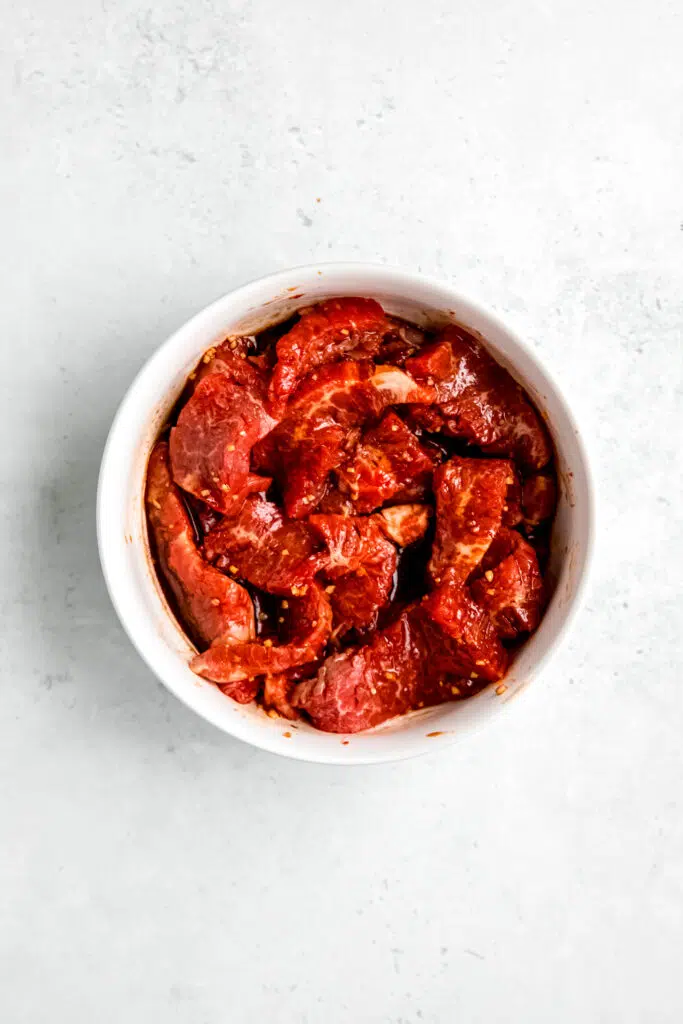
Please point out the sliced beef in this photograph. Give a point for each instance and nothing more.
(478, 400)
(231, 359)
(406, 666)
(510, 587)
(216, 608)
(330, 331)
(470, 496)
(360, 564)
(307, 628)
(462, 639)
(260, 545)
(322, 426)
(211, 443)
(389, 464)
(362, 687)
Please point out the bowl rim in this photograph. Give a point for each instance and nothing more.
(277, 282)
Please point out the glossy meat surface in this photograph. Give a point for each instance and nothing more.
(511, 587)
(261, 545)
(478, 400)
(349, 515)
(309, 626)
(389, 464)
(360, 564)
(329, 331)
(211, 443)
(322, 425)
(470, 496)
(215, 607)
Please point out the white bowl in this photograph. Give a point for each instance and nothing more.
(122, 533)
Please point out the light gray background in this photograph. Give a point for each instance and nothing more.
(153, 870)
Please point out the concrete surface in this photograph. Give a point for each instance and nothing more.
(156, 156)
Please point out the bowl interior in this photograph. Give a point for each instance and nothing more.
(131, 579)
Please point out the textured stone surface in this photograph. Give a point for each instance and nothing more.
(150, 868)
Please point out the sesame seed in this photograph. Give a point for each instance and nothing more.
(215, 600)
(437, 579)
(232, 344)
(330, 589)
(267, 643)
(231, 447)
(490, 591)
(285, 551)
(345, 332)
(474, 675)
(501, 689)
(243, 433)
(285, 604)
(373, 691)
(156, 503)
(205, 493)
(193, 375)
(505, 508)
(489, 575)
(272, 713)
(281, 618)
(224, 487)
(314, 623)
(233, 568)
(480, 662)
(455, 691)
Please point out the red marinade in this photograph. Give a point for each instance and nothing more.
(350, 516)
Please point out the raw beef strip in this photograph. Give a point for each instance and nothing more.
(470, 495)
(389, 463)
(216, 607)
(231, 359)
(261, 546)
(212, 440)
(406, 666)
(478, 400)
(361, 563)
(308, 628)
(404, 524)
(362, 687)
(511, 588)
(322, 426)
(329, 331)
(460, 637)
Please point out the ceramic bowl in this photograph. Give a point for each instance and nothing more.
(122, 534)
